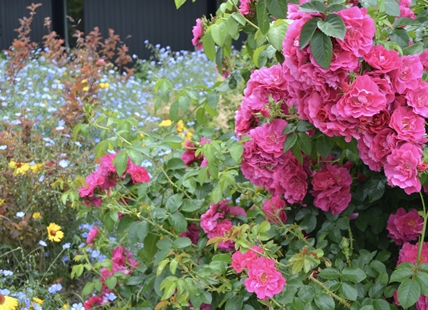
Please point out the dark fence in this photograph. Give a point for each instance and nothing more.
(10, 13)
(157, 21)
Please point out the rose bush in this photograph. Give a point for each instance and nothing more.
(314, 201)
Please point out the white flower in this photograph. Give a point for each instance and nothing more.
(20, 214)
(42, 243)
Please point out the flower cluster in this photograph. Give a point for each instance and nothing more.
(215, 224)
(105, 178)
(275, 210)
(123, 262)
(263, 277)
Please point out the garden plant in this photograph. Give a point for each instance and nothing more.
(295, 178)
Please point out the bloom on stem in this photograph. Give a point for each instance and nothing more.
(54, 232)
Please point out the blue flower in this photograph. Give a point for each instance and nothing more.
(78, 306)
(66, 245)
(111, 296)
(55, 288)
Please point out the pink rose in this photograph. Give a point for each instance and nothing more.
(93, 233)
(107, 163)
(275, 210)
(360, 30)
(362, 99)
(332, 188)
(424, 60)
(192, 233)
(378, 122)
(408, 125)
(418, 99)
(263, 278)
(383, 60)
(409, 253)
(198, 32)
(138, 174)
(422, 303)
(401, 168)
(220, 231)
(240, 261)
(404, 227)
(92, 181)
(245, 7)
(408, 74)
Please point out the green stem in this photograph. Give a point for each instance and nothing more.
(422, 237)
(340, 300)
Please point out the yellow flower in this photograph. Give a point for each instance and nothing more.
(36, 168)
(165, 123)
(54, 232)
(20, 168)
(180, 126)
(86, 88)
(1, 202)
(36, 215)
(84, 81)
(8, 303)
(66, 306)
(38, 300)
(186, 135)
(104, 85)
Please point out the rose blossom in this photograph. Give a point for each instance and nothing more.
(332, 188)
(404, 227)
(418, 99)
(362, 99)
(241, 261)
(275, 210)
(93, 233)
(408, 125)
(360, 30)
(407, 75)
(138, 174)
(263, 278)
(401, 168)
(383, 60)
(192, 233)
(424, 60)
(409, 253)
(245, 7)
(197, 31)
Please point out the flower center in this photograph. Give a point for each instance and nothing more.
(2, 299)
(53, 233)
(263, 277)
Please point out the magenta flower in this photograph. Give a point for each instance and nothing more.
(383, 60)
(408, 125)
(138, 174)
(192, 233)
(240, 261)
(263, 278)
(198, 32)
(93, 233)
(275, 210)
(408, 74)
(404, 226)
(409, 253)
(401, 168)
(418, 99)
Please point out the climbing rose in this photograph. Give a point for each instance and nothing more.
(404, 226)
(192, 233)
(198, 31)
(263, 278)
(241, 261)
(275, 210)
(138, 174)
(409, 253)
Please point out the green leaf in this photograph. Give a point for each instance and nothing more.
(349, 291)
(401, 37)
(200, 116)
(173, 111)
(324, 146)
(179, 3)
(290, 141)
(219, 33)
(236, 151)
(314, 6)
(307, 32)
(209, 45)
(375, 188)
(191, 205)
(278, 8)
(304, 126)
(182, 242)
(262, 16)
(352, 274)
(134, 280)
(169, 289)
(148, 252)
(178, 222)
(175, 163)
(297, 153)
(174, 202)
(232, 28)
(136, 156)
(321, 49)
(111, 282)
(184, 103)
(333, 26)
(121, 162)
(408, 293)
(88, 289)
(306, 293)
(401, 274)
(336, 8)
(324, 301)
(239, 18)
(276, 35)
(216, 195)
(422, 279)
(259, 56)
(234, 303)
(416, 48)
(305, 143)
(392, 8)
(329, 274)
(137, 232)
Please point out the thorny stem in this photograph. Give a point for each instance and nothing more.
(421, 239)
(246, 19)
(340, 300)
